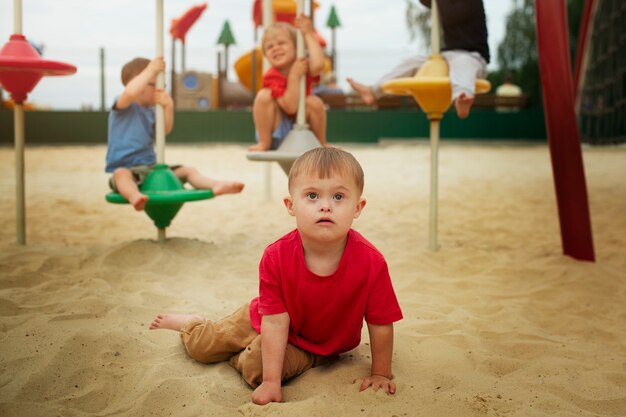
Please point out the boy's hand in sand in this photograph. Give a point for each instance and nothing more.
(266, 393)
(377, 382)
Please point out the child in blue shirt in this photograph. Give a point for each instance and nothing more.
(131, 135)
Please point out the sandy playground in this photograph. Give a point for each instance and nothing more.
(497, 323)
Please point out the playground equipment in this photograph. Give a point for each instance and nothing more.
(333, 23)
(178, 29)
(165, 192)
(21, 68)
(300, 139)
(247, 66)
(431, 88)
(563, 135)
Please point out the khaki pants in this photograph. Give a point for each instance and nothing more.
(234, 339)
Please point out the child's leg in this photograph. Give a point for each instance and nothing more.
(250, 364)
(208, 341)
(126, 185)
(200, 182)
(406, 68)
(266, 115)
(316, 116)
(465, 67)
(173, 321)
(364, 91)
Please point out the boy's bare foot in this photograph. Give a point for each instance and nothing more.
(139, 202)
(364, 91)
(225, 187)
(258, 147)
(463, 105)
(173, 321)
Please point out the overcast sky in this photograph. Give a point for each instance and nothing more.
(69, 28)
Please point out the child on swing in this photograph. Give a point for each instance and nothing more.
(276, 104)
(131, 134)
(465, 48)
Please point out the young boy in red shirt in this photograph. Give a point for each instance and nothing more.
(317, 284)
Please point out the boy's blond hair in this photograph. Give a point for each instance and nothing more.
(324, 162)
(133, 68)
(275, 27)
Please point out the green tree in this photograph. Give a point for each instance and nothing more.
(517, 53)
(418, 22)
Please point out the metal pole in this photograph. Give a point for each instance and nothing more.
(434, 186)
(301, 116)
(160, 111)
(17, 17)
(254, 63)
(173, 72)
(18, 121)
(160, 83)
(20, 200)
(434, 141)
(334, 51)
(220, 82)
(102, 81)
(184, 55)
(435, 47)
(268, 18)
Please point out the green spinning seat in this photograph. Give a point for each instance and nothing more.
(166, 195)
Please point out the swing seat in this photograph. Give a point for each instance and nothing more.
(298, 141)
(166, 195)
(430, 87)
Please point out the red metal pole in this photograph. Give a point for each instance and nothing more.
(563, 137)
(583, 37)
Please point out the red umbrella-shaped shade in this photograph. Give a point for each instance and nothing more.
(21, 67)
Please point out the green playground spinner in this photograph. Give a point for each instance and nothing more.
(166, 195)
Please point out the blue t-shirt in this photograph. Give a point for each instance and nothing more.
(130, 137)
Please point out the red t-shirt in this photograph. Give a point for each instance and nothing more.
(326, 312)
(277, 82)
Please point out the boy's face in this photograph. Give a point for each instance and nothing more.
(279, 49)
(324, 208)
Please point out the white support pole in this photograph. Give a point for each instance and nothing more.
(17, 17)
(435, 31)
(434, 140)
(20, 199)
(160, 112)
(160, 83)
(18, 122)
(434, 185)
(268, 19)
(301, 116)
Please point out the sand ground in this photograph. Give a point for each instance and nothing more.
(497, 322)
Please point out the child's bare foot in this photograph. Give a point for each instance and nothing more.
(463, 105)
(173, 321)
(364, 91)
(139, 202)
(258, 147)
(225, 187)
